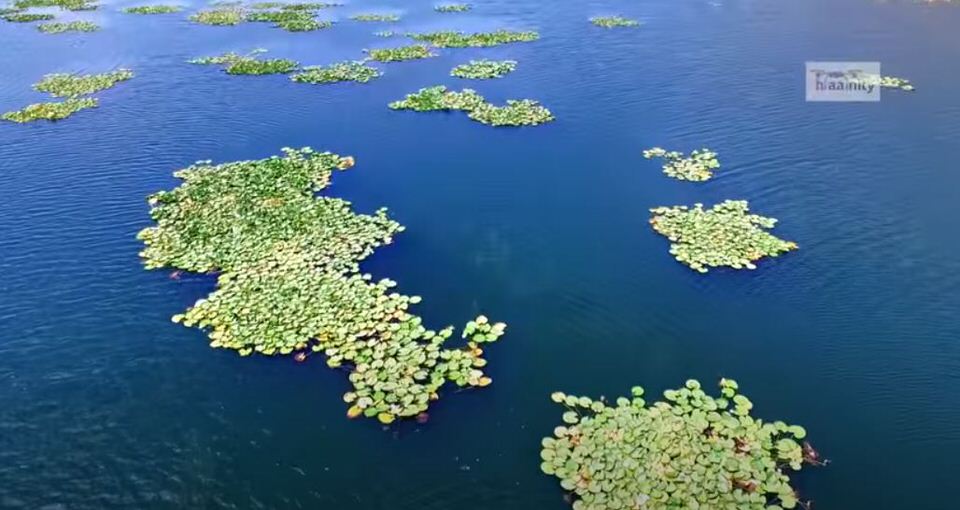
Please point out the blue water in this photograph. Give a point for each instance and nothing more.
(104, 403)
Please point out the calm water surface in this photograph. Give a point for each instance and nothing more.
(105, 404)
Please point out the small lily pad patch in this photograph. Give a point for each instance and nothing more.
(524, 112)
(698, 167)
(690, 450)
(68, 5)
(725, 235)
(221, 16)
(73, 26)
(343, 71)
(24, 17)
(50, 111)
(291, 20)
(73, 85)
(249, 64)
(452, 7)
(153, 9)
(454, 39)
(400, 54)
(613, 21)
(892, 82)
(375, 17)
(484, 69)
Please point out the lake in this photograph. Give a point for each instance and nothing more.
(106, 404)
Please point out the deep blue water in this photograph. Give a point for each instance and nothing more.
(104, 403)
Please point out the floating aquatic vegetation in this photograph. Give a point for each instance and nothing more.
(523, 112)
(439, 98)
(267, 5)
(290, 20)
(516, 113)
(724, 235)
(892, 82)
(72, 26)
(375, 17)
(50, 111)
(452, 7)
(691, 450)
(613, 21)
(309, 6)
(4, 11)
(220, 16)
(453, 39)
(484, 69)
(249, 64)
(343, 71)
(23, 17)
(70, 5)
(153, 9)
(698, 167)
(412, 52)
(289, 280)
(73, 85)
(385, 33)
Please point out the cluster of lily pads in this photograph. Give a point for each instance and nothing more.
(298, 17)
(290, 20)
(313, 6)
(698, 167)
(71, 86)
(524, 112)
(67, 5)
(153, 9)
(289, 280)
(484, 69)
(454, 39)
(724, 235)
(452, 7)
(613, 21)
(219, 16)
(50, 111)
(892, 82)
(400, 54)
(71, 26)
(356, 71)
(691, 450)
(26, 17)
(375, 17)
(249, 64)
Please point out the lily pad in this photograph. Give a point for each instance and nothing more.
(289, 280)
(724, 235)
(613, 21)
(523, 112)
(454, 39)
(72, 85)
(484, 69)
(400, 54)
(671, 454)
(50, 111)
(698, 167)
(72, 26)
(356, 71)
(153, 9)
